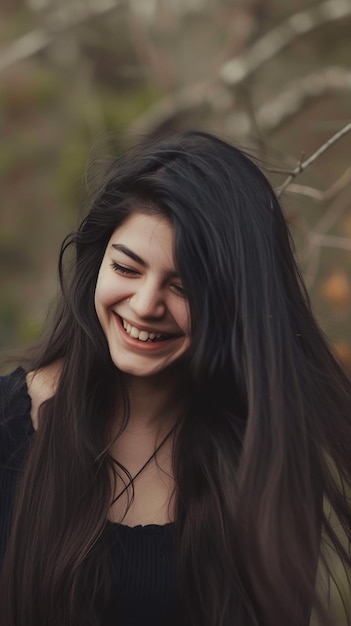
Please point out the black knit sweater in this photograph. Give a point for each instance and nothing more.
(142, 557)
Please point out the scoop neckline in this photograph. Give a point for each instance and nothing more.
(141, 527)
(21, 373)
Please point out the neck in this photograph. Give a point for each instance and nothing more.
(155, 405)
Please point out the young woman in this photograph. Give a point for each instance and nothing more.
(166, 454)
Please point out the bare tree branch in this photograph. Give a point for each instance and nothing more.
(235, 71)
(332, 215)
(164, 110)
(160, 66)
(205, 93)
(69, 16)
(311, 271)
(301, 166)
(332, 241)
(317, 238)
(290, 101)
(321, 196)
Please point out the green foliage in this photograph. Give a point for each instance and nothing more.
(121, 109)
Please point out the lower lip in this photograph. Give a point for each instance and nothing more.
(144, 346)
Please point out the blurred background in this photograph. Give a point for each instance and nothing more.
(83, 78)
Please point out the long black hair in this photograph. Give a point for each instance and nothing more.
(266, 440)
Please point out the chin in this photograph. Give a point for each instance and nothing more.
(146, 370)
(125, 366)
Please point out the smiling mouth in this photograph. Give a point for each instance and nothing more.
(145, 336)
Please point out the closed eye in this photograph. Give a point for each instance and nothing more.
(121, 269)
(178, 289)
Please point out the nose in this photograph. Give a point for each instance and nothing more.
(148, 301)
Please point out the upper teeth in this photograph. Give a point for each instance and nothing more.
(143, 335)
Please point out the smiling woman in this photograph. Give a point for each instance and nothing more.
(169, 451)
(139, 299)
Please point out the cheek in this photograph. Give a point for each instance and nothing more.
(183, 318)
(97, 304)
(102, 291)
(110, 289)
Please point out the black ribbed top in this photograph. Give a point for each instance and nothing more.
(143, 558)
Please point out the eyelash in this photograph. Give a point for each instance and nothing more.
(126, 270)
(120, 268)
(179, 290)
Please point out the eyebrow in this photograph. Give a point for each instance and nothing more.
(121, 248)
(135, 257)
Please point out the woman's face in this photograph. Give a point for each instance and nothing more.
(139, 297)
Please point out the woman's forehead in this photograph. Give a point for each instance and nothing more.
(145, 237)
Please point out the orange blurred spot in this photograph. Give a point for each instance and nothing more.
(347, 225)
(343, 351)
(337, 289)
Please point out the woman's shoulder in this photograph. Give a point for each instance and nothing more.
(21, 395)
(41, 385)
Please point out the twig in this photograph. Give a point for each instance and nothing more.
(332, 241)
(235, 72)
(312, 268)
(160, 66)
(169, 107)
(326, 222)
(268, 46)
(309, 192)
(301, 166)
(317, 238)
(63, 19)
(252, 116)
(321, 196)
(287, 103)
(333, 214)
(279, 170)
